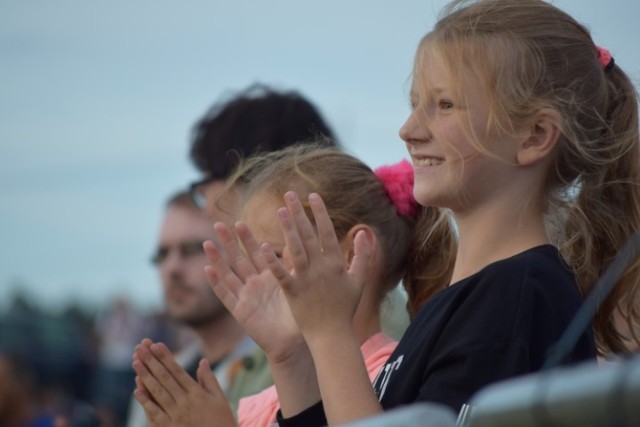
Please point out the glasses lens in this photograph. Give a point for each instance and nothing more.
(197, 190)
(186, 250)
(198, 198)
(160, 255)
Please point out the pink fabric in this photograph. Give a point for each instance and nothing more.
(260, 409)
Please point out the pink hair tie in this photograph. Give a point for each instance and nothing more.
(398, 182)
(605, 58)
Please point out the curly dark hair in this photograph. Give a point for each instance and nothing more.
(256, 119)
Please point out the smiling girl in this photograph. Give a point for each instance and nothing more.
(526, 132)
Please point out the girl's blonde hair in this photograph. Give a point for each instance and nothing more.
(352, 193)
(528, 55)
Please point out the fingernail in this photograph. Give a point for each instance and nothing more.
(138, 367)
(290, 196)
(283, 213)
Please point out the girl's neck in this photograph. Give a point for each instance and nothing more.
(495, 233)
(366, 320)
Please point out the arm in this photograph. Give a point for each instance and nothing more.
(323, 296)
(246, 286)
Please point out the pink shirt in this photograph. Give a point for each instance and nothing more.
(260, 409)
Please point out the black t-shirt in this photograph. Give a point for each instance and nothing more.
(492, 325)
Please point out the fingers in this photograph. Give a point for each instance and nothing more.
(361, 257)
(251, 246)
(207, 380)
(241, 265)
(162, 377)
(300, 234)
(305, 245)
(218, 402)
(277, 268)
(222, 279)
(154, 414)
(176, 371)
(151, 388)
(326, 231)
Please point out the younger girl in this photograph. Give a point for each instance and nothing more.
(380, 206)
(527, 133)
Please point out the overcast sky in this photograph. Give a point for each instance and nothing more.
(97, 100)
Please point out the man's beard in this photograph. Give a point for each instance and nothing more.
(201, 315)
(198, 320)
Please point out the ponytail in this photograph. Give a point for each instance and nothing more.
(430, 261)
(606, 211)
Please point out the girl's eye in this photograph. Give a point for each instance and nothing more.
(445, 105)
(413, 103)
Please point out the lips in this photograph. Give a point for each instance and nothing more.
(178, 291)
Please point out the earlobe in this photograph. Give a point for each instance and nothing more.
(544, 134)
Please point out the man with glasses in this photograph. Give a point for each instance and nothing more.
(180, 261)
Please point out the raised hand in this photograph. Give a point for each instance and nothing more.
(170, 397)
(246, 286)
(323, 290)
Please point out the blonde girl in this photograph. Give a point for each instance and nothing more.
(526, 132)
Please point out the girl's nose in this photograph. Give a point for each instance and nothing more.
(415, 129)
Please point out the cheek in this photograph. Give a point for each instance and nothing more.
(163, 273)
(195, 273)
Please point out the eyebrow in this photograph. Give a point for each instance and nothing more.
(413, 95)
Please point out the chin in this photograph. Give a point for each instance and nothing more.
(424, 198)
(179, 313)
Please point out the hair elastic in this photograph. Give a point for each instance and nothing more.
(398, 182)
(605, 58)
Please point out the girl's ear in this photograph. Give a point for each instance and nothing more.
(544, 134)
(347, 243)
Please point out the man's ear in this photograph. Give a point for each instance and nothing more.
(544, 133)
(347, 243)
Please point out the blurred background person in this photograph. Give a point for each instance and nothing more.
(180, 260)
(19, 402)
(47, 356)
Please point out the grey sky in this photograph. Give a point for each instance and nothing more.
(97, 100)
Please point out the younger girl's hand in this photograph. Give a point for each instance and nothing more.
(322, 292)
(247, 288)
(170, 397)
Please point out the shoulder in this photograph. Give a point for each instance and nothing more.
(533, 290)
(376, 351)
(543, 260)
(258, 409)
(539, 270)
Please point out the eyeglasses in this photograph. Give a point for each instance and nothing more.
(196, 190)
(187, 250)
